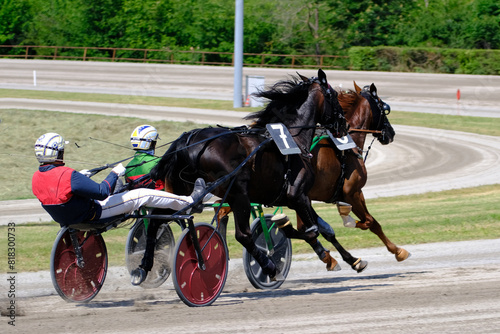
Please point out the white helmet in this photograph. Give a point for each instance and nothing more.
(142, 137)
(48, 147)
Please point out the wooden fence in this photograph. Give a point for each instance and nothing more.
(171, 57)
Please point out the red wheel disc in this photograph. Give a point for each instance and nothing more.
(194, 286)
(72, 282)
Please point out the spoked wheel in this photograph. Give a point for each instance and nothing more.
(281, 254)
(73, 283)
(136, 246)
(195, 286)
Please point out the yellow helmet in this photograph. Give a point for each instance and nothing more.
(143, 136)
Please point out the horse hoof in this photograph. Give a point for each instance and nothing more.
(402, 254)
(335, 268)
(137, 276)
(331, 263)
(278, 277)
(359, 265)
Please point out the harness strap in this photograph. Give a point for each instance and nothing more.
(285, 188)
(337, 195)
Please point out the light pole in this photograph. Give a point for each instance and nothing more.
(238, 54)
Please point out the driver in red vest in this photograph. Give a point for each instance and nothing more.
(70, 197)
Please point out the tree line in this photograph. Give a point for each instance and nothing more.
(270, 26)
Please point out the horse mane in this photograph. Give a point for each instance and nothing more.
(348, 98)
(285, 98)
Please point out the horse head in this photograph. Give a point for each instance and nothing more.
(301, 102)
(379, 110)
(331, 114)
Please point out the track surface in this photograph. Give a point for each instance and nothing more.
(442, 288)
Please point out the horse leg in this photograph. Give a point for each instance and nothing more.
(329, 234)
(322, 252)
(222, 219)
(368, 222)
(139, 274)
(243, 234)
(286, 226)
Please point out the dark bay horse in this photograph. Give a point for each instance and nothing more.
(365, 113)
(264, 174)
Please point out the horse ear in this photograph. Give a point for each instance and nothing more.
(302, 77)
(356, 87)
(373, 89)
(322, 76)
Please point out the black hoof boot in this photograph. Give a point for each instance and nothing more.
(273, 272)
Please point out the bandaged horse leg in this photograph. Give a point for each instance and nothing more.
(267, 265)
(286, 226)
(244, 236)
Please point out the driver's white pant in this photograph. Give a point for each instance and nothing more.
(130, 201)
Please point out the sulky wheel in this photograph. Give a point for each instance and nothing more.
(281, 254)
(197, 287)
(136, 246)
(73, 283)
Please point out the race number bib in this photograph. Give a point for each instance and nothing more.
(282, 138)
(343, 143)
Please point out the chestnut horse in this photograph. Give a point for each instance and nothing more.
(365, 113)
(245, 166)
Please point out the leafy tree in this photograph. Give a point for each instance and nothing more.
(483, 26)
(102, 24)
(285, 27)
(55, 23)
(13, 15)
(453, 24)
(368, 23)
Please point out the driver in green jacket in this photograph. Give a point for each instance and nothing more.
(143, 140)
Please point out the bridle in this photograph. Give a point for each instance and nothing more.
(334, 120)
(379, 110)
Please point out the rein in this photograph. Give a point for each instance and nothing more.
(230, 130)
(363, 130)
(96, 170)
(368, 150)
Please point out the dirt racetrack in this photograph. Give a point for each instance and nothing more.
(442, 288)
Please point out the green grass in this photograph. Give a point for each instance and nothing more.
(126, 99)
(466, 214)
(479, 125)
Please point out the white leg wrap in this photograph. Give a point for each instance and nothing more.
(349, 221)
(344, 210)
